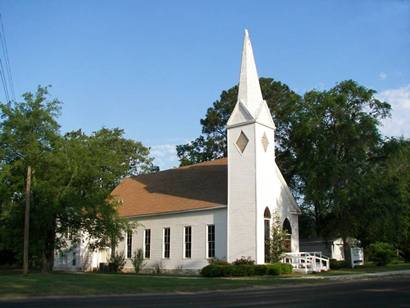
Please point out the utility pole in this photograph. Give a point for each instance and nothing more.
(27, 221)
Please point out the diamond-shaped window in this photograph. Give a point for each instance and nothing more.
(242, 142)
(265, 142)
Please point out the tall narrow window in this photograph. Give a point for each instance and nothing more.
(211, 241)
(267, 217)
(147, 242)
(188, 241)
(167, 242)
(74, 261)
(129, 244)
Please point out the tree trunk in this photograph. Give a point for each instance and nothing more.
(27, 221)
(346, 252)
(48, 251)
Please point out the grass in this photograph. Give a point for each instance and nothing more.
(13, 284)
(369, 268)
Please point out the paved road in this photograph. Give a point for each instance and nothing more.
(386, 292)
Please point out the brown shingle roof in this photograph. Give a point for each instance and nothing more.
(187, 188)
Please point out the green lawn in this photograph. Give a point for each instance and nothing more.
(13, 284)
(367, 269)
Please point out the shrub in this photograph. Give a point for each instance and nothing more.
(285, 268)
(116, 263)
(381, 253)
(138, 260)
(157, 270)
(244, 261)
(218, 262)
(232, 270)
(243, 270)
(273, 269)
(212, 270)
(260, 269)
(335, 264)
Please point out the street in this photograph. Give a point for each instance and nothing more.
(386, 292)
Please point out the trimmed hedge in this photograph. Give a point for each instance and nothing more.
(232, 270)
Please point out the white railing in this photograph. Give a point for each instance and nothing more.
(307, 262)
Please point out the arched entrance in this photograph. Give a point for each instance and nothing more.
(266, 219)
(288, 228)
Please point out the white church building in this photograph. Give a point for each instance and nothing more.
(220, 209)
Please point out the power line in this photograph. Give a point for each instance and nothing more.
(6, 59)
(3, 80)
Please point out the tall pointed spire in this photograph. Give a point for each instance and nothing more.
(249, 89)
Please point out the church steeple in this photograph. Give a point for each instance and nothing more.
(250, 106)
(249, 89)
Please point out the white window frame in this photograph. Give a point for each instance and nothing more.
(163, 243)
(144, 246)
(126, 245)
(207, 241)
(184, 242)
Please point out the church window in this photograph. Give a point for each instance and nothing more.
(211, 241)
(129, 244)
(267, 217)
(265, 142)
(167, 242)
(288, 228)
(242, 142)
(74, 261)
(188, 241)
(147, 244)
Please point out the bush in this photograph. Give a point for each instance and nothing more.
(138, 260)
(381, 253)
(260, 269)
(335, 264)
(285, 268)
(232, 270)
(116, 263)
(244, 261)
(213, 270)
(158, 268)
(273, 269)
(218, 262)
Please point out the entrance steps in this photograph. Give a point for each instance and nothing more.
(307, 262)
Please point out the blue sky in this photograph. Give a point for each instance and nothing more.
(154, 67)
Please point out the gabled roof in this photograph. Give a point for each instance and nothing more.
(196, 187)
(191, 188)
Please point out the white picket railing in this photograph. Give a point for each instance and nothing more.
(307, 262)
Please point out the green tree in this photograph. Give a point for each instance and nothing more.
(385, 202)
(283, 104)
(334, 136)
(73, 177)
(278, 240)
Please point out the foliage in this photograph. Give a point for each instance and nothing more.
(158, 268)
(73, 177)
(331, 152)
(277, 242)
(231, 270)
(138, 260)
(244, 261)
(218, 261)
(116, 262)
(212, 143)
(336, 264)
(381, 253)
